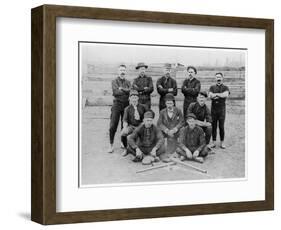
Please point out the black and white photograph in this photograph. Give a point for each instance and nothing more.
(160, 113)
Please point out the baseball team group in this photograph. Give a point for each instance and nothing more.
(185, 134)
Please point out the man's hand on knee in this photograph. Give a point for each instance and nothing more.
(139, 153)
(153, 152)
(188, 153)
(196, 154)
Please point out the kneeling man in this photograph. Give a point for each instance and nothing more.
(146, 140)
(133, 117)
(192, 145)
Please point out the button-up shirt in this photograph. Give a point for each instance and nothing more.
(193, 139)
(121, 95)
(146, 137)
(191, 88)
(218, 102)
(202, 113)
(129, 114)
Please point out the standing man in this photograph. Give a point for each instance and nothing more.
(192, 144)
(170, 122)
(146, 140)
(166, 84)
(133, 117)
(190, 88)
(218, 94)
(203, 114)
(120, 90)
(143, 84)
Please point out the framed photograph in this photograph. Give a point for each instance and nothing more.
(140, 114)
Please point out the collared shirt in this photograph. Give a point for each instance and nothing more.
(193, 139)
(129, 114)
(218, 102)
(143, 81)
(202, 113)
(121, 95)
(146, 137)
(165, 122)
(166, 83)
(191, 88)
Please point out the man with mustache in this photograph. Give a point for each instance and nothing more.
(143, 84)
(190, 88)
(218, 94)
(166, 84)
(120, 90)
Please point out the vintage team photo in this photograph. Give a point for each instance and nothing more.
(161, 113)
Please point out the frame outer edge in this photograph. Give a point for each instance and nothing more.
(269, 56)
(37, 189)
(49, 114)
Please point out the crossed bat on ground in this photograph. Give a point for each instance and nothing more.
(172, 161)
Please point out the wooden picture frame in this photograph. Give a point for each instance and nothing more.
(43, 189)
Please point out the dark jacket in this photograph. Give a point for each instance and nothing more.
(166, 83)
(190, 89)
(193, 139)
(146, 137)
(139, 83)
(120, 95)
(129, 114)
(165, 122)
(162, 85)
(202, 113)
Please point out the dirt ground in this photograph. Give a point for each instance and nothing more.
(100, 167)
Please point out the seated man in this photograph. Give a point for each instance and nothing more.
(146, 140)
(170, 122)
(203, 114)
(133, 117)
(192, 144)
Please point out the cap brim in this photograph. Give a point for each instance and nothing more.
(142, 66)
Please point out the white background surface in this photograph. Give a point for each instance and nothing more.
(15, 114)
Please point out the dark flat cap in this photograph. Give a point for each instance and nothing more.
(169, 97)
(149, 114)
(203, 93)
(141, 64)
(134, 92)
(191, 115)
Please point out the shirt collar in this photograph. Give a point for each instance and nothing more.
(200, 105)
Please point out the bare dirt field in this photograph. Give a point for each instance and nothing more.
(100, 167)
